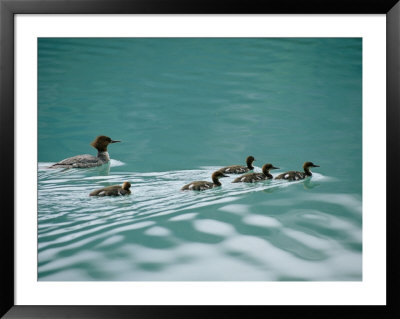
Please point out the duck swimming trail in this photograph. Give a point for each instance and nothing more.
(183, 108)
(239, 231)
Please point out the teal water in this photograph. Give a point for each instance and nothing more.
(182, 109)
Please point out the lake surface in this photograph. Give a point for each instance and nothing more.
(184, 108)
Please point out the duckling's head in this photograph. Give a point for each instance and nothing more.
(101, 142)
(250, 160)
(126, 186)
(218, 175)
(307, 165)
(267, 167)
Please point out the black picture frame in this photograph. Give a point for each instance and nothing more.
(9, 8)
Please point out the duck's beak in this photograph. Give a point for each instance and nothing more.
(315, 165)
(115, 141)
(273, 167)
(223, 175)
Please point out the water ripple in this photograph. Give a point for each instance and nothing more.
(153, 228)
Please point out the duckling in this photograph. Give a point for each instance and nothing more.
(294, 175)
(85, 161)
(203, 185)
(114, 190)
(256, 177)
(239, 169)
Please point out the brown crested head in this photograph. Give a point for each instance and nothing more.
(126, 186)
(307, 165)
(101, 142)
(250, 160)
(218, 175)
(267, 167)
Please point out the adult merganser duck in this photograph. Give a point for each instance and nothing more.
(85, 161)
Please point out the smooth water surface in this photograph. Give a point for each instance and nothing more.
(182, 109)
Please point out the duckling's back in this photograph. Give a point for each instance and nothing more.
(198, 186)
(234, 169)
(114, 190)
(251, 178)
(291, 176)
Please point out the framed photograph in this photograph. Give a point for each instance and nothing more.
(174, 154)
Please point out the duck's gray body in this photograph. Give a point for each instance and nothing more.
(86, 161)
(83, 161)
